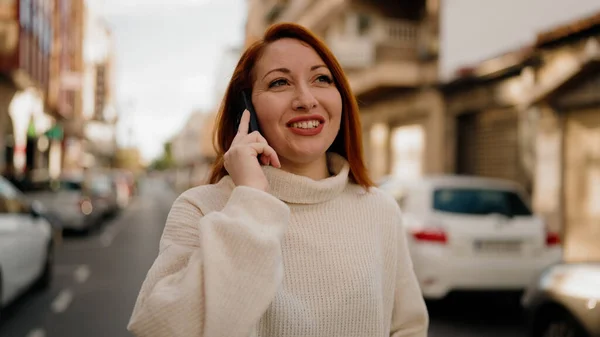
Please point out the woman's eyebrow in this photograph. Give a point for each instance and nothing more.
(287, 71)
(282, 70)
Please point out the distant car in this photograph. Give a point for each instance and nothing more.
(565, 301)
(472, 233)
(26, 245)
(68, 203)
(78, 202)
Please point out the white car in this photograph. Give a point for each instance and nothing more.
(472, 233)
(26, 250)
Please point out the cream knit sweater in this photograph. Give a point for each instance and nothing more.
(309, 259)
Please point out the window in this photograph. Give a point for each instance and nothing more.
(479, 202)
(364, 24)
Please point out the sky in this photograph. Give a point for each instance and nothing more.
(167, 58)
(168, 55)
(474, 30)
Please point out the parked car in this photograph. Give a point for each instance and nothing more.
(472, 233)
(565, 301)
(26, 245)
(79, 202)
(67, 204)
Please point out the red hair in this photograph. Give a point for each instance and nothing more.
(348, 142)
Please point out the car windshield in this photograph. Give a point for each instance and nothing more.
(479, 202)
(70, 186)
(100, 185)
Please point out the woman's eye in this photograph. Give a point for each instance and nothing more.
(278, 83)
(324, 79)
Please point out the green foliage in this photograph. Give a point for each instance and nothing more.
(165, 161)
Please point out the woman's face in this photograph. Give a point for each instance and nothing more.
(298, 106)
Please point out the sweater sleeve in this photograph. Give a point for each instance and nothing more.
(410, 317)
(215, 274)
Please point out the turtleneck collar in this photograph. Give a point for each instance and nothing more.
(296, 189)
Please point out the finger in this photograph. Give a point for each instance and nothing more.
(266, 151)
(244, 123)
(256, 137)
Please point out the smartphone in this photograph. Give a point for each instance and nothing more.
(246, 103)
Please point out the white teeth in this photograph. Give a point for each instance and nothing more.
(306, 125)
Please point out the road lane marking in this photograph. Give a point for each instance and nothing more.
(82, 273)
(37, 333)
(111, 232)
(62, 301)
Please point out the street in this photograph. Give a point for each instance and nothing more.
(97, 279)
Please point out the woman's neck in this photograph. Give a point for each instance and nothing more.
(315, 170)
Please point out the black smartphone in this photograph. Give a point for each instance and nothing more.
(246, 103)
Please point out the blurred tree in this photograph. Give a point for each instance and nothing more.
(165, 161)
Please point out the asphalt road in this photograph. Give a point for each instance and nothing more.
(97, 279)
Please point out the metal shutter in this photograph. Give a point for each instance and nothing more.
(487, 144)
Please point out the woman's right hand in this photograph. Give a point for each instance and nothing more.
(242, 159)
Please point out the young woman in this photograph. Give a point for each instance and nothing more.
(290, 239)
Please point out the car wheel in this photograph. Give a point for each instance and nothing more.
(561, 324)
(45, 279)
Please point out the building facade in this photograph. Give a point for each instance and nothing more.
(66, 98)
(193, 150)
(38, 57)
(98, 93)
(566, 105)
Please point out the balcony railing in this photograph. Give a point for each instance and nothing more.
(386, 41)
(396, 33)
(354, 52)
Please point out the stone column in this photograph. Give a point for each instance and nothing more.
(547, 177)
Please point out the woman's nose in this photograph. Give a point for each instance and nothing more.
(304, 100)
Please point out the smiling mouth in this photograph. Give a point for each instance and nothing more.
(311, 124)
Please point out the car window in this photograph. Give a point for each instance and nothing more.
(70, 185)
(479, 202)
(10, 199)
(7, 189)
(100, 185)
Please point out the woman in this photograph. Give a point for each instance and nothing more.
(301, 245)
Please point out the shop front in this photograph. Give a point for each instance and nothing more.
(579, 109)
